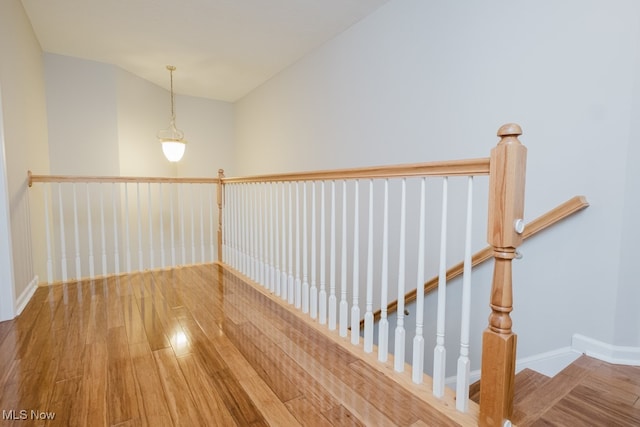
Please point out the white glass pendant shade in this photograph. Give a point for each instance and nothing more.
(173, 150)
(172, 138)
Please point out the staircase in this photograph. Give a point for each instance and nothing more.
(587, 392)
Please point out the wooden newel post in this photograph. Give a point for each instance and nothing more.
(506, 209)
(220, 192)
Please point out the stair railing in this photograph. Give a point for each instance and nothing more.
(268, 221)
(544, 221)
(97, 226)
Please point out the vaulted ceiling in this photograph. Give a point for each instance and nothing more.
(222, 49)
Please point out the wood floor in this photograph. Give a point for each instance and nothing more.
(193, 346)
(199, 347)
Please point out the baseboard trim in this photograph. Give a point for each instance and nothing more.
(616, 354)
(550, 362)
(26, 295)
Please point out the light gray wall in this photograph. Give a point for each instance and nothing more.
(434, 80)
(25, 131)
(82, 112)
(7, 302)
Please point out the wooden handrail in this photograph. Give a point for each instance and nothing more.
(544, 221)
(118, 179)
(445, 168)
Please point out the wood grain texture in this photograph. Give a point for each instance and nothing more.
(445, 168)
(31, 178)
(234, 372)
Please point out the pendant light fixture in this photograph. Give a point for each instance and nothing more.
(172, 138)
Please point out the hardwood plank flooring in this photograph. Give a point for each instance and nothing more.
(192, 346)
(198, 346)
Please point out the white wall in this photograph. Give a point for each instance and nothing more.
(82, 113)
(25, 134)
(142, 109)
(7, 302)
(209, 130)
(434, 80)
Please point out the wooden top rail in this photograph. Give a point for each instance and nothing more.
(544, 221)
(118, 179)
(444, 168)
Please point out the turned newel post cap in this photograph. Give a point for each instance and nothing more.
(510, 129)
(220, 172)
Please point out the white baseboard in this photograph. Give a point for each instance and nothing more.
(616, 354)
(550, 362)
(26, 295)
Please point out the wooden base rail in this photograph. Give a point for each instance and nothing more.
(555, 215)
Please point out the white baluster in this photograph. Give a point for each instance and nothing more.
(92, 272)
(63, 245)
(243, 229)
(383, 324)
(322, 295)
(265, 232)
(253, 227)
(256, 232)
(76, 233)
(258, 226)
(192, 203)
(368, 315)
(250, 230)
(439, 353)
(305, 253)
(48, 233)
(102, 232)
(230, 203)
(355, 308)
(116, 253)
(171, 228)
(181, 206)
(140, 256)
(202, 260)
(266, 241)
(225, 225)
(418, 339)
(464, 364)
(344, 305)
(298, 278)
(313, 290)
(332, 262)
(150, 219)
(235, 222)
(398, 363)
(126, 232)
(272, 249)
(231, 223)
(276, 222)
(290, 280)
(163, 263)
(284, 279)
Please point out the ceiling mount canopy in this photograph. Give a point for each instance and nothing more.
(172, 138)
